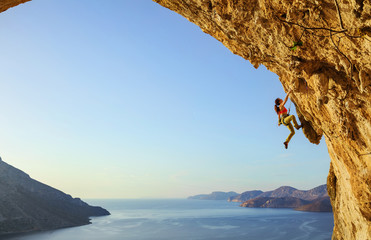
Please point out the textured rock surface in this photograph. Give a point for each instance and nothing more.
(28, 205)
(320, 50)
(5, 4)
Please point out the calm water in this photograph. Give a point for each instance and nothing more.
(193, 220)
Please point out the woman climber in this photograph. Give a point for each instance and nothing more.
(285, 118)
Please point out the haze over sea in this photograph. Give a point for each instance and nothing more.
(180, 219)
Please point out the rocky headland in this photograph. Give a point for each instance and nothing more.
(27, 205)
(270, 202)
(318, 205)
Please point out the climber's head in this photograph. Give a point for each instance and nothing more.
(278, 101)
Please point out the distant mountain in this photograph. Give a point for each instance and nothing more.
(245, 196)
(314, 200)
(214, 196)
(273, 202)
(284, 191)
(28, 205)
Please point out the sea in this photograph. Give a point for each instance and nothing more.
(183, 219)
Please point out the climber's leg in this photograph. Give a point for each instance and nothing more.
(292, 132)
(293, 119)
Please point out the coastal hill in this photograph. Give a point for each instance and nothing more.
(245, 196)
(215, 196)
(284, 191)
(27, 205)
(313, 200)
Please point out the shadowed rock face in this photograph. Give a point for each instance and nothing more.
(320, 50)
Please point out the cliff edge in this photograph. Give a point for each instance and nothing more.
(320, 50)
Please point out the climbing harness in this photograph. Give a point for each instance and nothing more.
(282, 119)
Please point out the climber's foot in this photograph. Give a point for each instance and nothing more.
(286, 144)
(300, 126)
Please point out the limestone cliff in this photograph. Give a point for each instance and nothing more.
(320, 50)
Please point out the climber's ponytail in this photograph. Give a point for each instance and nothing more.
(277, 105)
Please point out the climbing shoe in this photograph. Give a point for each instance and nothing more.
(286, 144)
(300, 126)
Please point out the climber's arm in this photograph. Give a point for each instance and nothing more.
(285, 100)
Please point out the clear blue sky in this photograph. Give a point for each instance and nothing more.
(126, 99)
